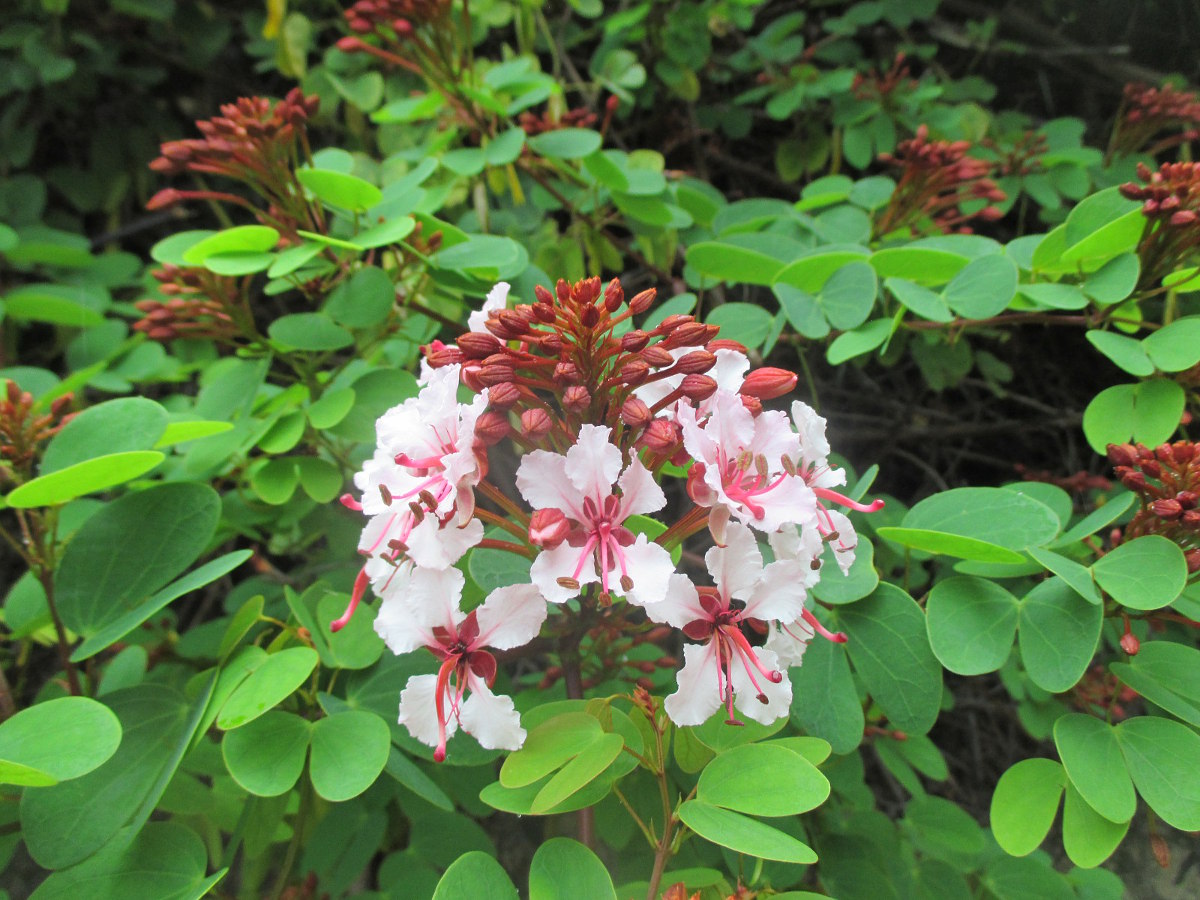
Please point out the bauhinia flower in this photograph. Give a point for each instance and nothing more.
(579, 521)
(811, 463)
(746, 595)
(418, 487)
(789, 640)
(742, 467)
(496, 300)
(427, 614)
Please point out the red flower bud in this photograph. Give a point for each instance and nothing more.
(476, 345)
(695, 363)
(535, 424)
(491, 428)
(1166, 509)
(661, 436)
(504, 396)
(641, 301)
(1122, 454)
(614, 296)
(767, 383)
(1130, 644)
(548, 528)
(698, 387)
(576, 397)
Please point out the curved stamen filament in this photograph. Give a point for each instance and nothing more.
(811, 620)
(843, 500)
(360, 588)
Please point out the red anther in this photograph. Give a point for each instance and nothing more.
(548, 528)
(699, 387)
(635, 413)
(642, 301)
(767, 383)
(695, 362)
(576, 398)
(536, 424)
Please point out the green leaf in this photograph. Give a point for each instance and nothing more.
(166, 860)
(116, 624)
(1008, 518)
(1091, 755)
(130, 549)
(339, 189)
(983, 288)
(1077, 576)
(293, 258)
(1088, 837)
(192, 430)
(1149, 411)
(566, 143)
(505, 147)
(1162, 757)
(848, 296)
(239, 239)
(266, 756)
(925, 303)
(1148, 572)
(1168, 675)
(1057, 632)
(947, 544)
(321, 479)
(742, 834)
(824, 699)
(563, 869)
(488, 256)
(355, 646)
(1103, 515)
(276, 481)
(859, 581)
(388, 232)
(475, 875)
(971, 622)
(549, 746)
(890, 650)
(733, 263)
(762, 780)
(116, 426)
(742, 322)
(86, 477)
(1125, 352)
(922, 265)
(1012, 878)
(1175, 346)
(861, 340)
(68, 822)
(1024, 804)
(1100, 228)
(578, 773)
(941, 827)
(812, 272)
(309, 331)
(349, 751)
(269, 684)
(363, 300)
(405, 771)
(1115, 280)
(57, 740)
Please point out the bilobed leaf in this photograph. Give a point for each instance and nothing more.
(1079, 577)
(743, 834)
(983, 288)
(922, 265)
(971, 622)
(239, 239)
(812, 272)
(267, 755)
(1057, 632)
(1167, 674)
(578, 772)
(762, 780)
(1091, 755)
(1162, 757)
(87, 477)
(475, 875)
(1126, 352)
(1025, 803)
(863, 339)
(1088, 837)
(1148, 572)
(363, 300)
(921, 300)
(549, 746)
(1008, 518)
(732, 263)
(269, 684)
(1175, 346)
(742, 322)
(309, 331)
(848, 296)
(563, 869)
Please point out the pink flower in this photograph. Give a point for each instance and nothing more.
(427, 614)
(743, 468)
(596, 546)
(746, 594)
(729, 372)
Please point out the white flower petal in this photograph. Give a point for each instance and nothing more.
(497, 299)
(433, 597)
(779, 593)
(697, 697)
(543, 482)
(789, 642)
(745, 694)
(560, 562)
(650, 567)
(594, 462)
(400, 630)
(511, 616)
(418, 709)
(680, 606)
(435, 546)
(640, 493)
(491, 718)
(736, 566)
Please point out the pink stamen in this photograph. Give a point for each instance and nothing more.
(584, 555)
(425, 462)
(749, 657)
(360, 588)
(843, 500)
(349, 502)
(837, 637)
(443, 679)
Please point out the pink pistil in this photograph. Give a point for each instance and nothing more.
(837, 637)
(843, 500)
(360, 588)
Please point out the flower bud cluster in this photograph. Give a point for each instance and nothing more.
(1170, 201)
(539, 123)
(937, 178)
(200, 304)
(393, 19)
(887, 87)
(22, 429)
(1149, 111)
(1167, 481)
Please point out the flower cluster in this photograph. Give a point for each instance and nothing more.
(22, 428)
(200, 304)
(1170, 201)
(1167, 481)
(254, 142)
(885, 87)
(937, 180)
(1149, 111)
(604, 414)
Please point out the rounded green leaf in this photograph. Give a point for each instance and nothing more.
(941, 827)
(87, 477)
(1089, 752)
(363, 300)
(1163, 757)
(1057, 632)
(1088, 837)
(1108, 418)
(945, 544)
(320, 479)
(983, 288)
(349, 750)
(762, 780)
(276, 481)
(923, 265)
(309, 331)
(475, 875)
(566, 143)
(848, 297)
(811, 273)
(1115, 280)
(391, 231)
(267, 755)
(1017, 878)
(1166, 674)
(1024, 804)
(1125, 352)
(1005, 517)
(743, 322)
(578, 773)
(735, 264)
(563, 869)
(1079, 577)
(269, 684)
(1148, 572)
(1175, 346)
(340, 189)
(1157, 408)
(824, 697)
(921, 300)
(861, 340)
(57, 740)
(116, 426)
(971, 622)
(742, 834)
(240, 239)
(860, 580)
(129, 549)
(549, 746)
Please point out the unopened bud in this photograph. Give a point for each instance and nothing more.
(1122, 454)
(548, 528)
(1162, 852)
(1166, 509)
(641, 301)
(566, 372)
(535, 424)
(544, 312)
(614, 296)
(695, 362)
(576, 398)
(1192, 558)
(690, 334)
(504, 395)
(477, 345)
(753, 404)
(657, 356)
(698, 387)
(590, 317)
(1130, 644)
(768, 383)
(491, 428)
(634, 372)
(635, 413)
(633, 341)
(349, 44)
(661, 436)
